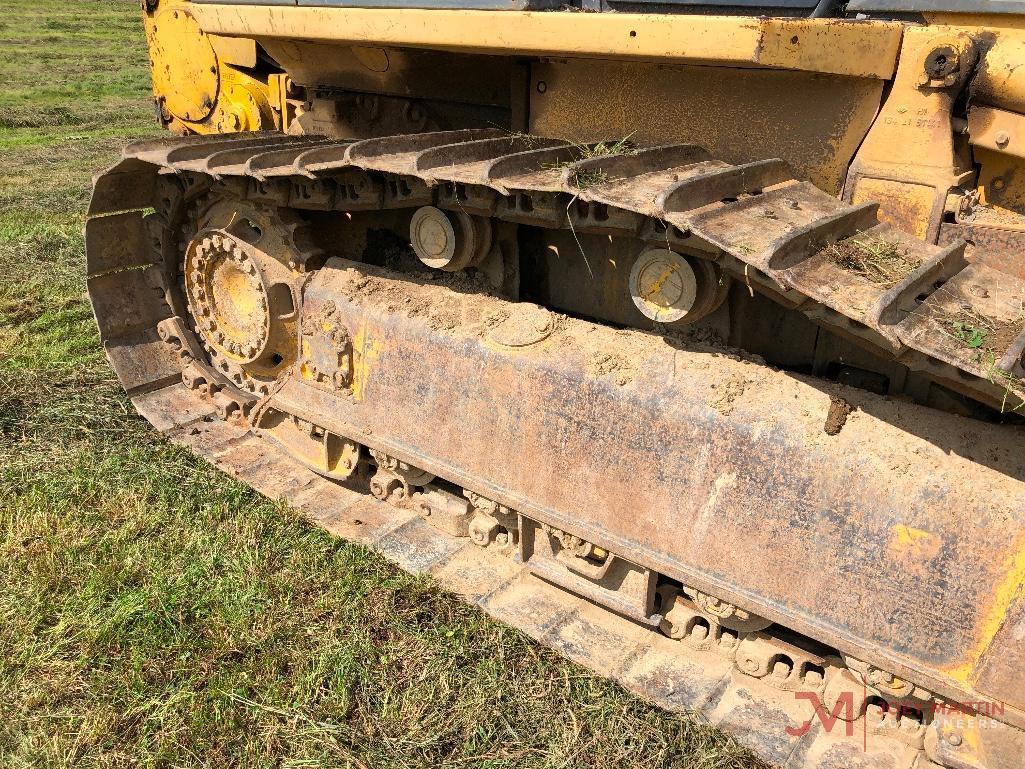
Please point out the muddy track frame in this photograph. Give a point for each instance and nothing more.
(657, 195)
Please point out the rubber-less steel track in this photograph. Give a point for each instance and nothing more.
(754, 220)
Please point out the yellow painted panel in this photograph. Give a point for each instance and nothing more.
(995, 614)
(739, 115)
(835, 46)
(903, 204)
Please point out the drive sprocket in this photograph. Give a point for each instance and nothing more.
(241, 274)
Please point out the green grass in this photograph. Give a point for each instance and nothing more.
(154, 612)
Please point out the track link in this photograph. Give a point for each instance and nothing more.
(692, 672)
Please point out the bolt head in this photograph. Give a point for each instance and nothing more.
(942, 62)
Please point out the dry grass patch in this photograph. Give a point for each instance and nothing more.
(879, 261)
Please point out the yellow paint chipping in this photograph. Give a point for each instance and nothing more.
(1006, 593)
(912, 544)
(365, 350)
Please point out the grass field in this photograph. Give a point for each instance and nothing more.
(153, 612)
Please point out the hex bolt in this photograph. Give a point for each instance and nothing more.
(1003, 139)
(954, 739)
(941, 62)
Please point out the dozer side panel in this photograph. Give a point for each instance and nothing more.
(805, 90)
(834, 46)
(737, 114)
(890, 537)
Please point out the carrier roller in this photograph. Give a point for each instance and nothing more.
(683, 521)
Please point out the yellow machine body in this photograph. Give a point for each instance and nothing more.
(837, 201)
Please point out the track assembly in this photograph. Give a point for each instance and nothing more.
(714, 554)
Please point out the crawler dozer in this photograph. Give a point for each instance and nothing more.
(685, 336)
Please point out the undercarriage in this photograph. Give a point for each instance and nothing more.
(705, 427)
